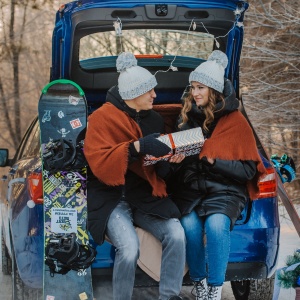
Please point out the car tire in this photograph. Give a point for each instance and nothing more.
(19, 290)
(253, 289)
(6, 260)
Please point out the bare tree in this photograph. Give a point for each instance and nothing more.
(23, 55)
(270, 72)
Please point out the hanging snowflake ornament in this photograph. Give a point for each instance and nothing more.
(118, 27)
(194, 26)
(238, 11)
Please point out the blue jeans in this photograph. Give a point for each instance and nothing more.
(121, 232)
(216, 227)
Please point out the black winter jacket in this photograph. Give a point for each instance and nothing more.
(102, 199)
(217, 188)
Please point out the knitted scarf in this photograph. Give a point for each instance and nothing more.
(233, 139)
(109, 133)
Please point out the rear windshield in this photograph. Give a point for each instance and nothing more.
(146, 41)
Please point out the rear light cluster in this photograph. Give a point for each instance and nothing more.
(35, 188)
(268, 184)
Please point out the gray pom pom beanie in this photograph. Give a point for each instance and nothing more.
(133, 80)
(211, 72)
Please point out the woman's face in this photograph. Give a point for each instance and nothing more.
(200, 93)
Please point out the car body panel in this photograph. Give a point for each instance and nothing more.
(100, 15)
(28, 245)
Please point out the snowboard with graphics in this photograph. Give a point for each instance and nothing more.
(62, 112)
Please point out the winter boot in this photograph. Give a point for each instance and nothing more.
(214, 292)
(201, 289)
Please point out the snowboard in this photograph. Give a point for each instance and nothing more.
(62, 113)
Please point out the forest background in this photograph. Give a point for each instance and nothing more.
(269, 77)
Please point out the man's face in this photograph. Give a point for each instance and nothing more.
(143, 102)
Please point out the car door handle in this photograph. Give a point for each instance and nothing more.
(11, 183)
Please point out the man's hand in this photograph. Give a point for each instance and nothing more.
(152, 146)
(177, 158)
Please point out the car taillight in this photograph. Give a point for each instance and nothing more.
(35, 186)
(268, 184)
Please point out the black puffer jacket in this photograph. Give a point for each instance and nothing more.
(217, 188)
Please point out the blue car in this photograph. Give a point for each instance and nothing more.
(169, 38)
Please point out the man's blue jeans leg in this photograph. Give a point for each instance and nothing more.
(121, 232)
(171, 235)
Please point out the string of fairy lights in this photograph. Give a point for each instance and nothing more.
(192, 26)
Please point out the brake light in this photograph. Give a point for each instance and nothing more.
(35, 186)
(268, 184)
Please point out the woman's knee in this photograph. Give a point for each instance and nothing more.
(192, 225)
(217, 224)
(190, 220)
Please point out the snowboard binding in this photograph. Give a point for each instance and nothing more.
(58, 155)
(62, 154)
(64, 253)
(285, 167)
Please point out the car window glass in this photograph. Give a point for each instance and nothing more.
(31, 142)
(34, 144)
(147, 41)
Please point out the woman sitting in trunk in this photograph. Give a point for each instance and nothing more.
(211, 189)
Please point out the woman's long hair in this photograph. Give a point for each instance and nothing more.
(214, 97)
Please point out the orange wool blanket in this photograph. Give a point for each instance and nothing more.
(106, 146)
(233, 139)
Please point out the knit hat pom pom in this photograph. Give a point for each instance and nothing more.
(125, 60)
(219, 57)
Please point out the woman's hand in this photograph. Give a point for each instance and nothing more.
(177, 158)
(211, 160)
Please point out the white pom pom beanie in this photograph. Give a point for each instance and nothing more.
(211, 72)
(133, 80)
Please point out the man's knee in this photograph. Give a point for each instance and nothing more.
(130, 251)
(176, 233)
